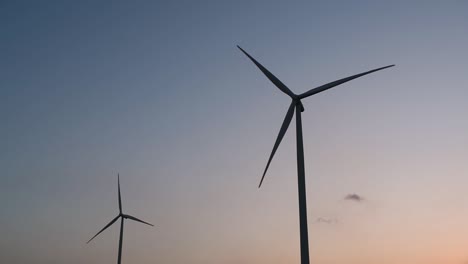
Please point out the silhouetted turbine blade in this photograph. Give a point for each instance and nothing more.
(136, 219)
(120, 198)
(109, 224)
(283, 129)
(338, 82)
(270, 76)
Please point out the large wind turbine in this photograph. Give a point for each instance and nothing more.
(122, 217)
(296, 105)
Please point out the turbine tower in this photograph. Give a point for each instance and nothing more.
(296, 106)
(122, 217)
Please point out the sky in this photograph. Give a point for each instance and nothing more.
(158, 92)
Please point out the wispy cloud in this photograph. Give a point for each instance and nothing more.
(354, 197)
(329, 221)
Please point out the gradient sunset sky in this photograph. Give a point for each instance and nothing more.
(158, 92)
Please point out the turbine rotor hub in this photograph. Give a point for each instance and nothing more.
(298, 102)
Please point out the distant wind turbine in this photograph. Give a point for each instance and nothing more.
(122, 216)
(296, 105)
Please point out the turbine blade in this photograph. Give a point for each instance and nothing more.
(136, 219)
(120, 198)
(270, 76)
(283, 129)
(109, 224)
(338, 82)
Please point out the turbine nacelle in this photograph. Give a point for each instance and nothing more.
(299, 103)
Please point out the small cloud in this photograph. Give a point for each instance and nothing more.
(329, 221)
(354, 197)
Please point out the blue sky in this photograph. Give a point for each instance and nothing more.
(158, 92)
